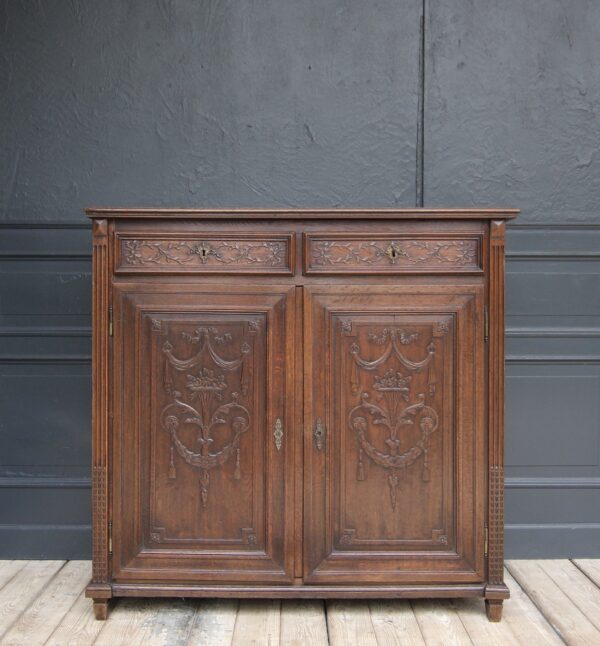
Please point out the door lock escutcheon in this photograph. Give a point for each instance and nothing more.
(319, 434)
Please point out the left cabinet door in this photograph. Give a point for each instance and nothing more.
(202, 434)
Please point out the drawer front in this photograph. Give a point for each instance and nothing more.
(354, 253)
(217, 253)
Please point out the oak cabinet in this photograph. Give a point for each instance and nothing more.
(298, 404)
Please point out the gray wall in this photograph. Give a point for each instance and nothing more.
(315, 103)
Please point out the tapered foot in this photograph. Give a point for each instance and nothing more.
(101, 609)
(493, 609)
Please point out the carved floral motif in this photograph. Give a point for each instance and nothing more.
(403, 252)
(396, 406)
(138, 253)
(204, 402)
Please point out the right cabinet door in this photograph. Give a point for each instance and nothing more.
(394, 434)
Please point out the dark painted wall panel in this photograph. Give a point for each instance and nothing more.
(36, 289)
(553, 416)
(165, 103)
(512, 106)
(49, 506)
(212, 103)
(552, 506)
(45, 415)
(306, 104)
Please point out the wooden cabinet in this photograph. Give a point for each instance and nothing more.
(298, 404)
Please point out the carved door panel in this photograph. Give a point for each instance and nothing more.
(394, 441)
(202, 433)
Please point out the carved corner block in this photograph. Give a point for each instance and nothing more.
(99, 229)
(498, 232)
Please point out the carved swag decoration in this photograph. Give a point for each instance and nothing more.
(205, 401)
(397, 405)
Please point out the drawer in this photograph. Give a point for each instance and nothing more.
(374, 253)
(210, 253)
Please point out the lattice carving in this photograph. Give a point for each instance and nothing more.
(100, 515)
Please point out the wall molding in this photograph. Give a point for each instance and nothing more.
(552, 332)
(565, 256)
(76, 359)
(60, 482)
(546, 526)
(512, 332)
(46, 331)
(551, 358)
(45, 255)
(44, 482)
(46, 225)
(552, 226)
(552, 483)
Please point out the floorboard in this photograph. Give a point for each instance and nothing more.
(38, 621)
(258, 623)
(78, 627)
(148, 622)
(23, 589)
(303, 622)
(440, 623)
(8, 569)
(590, 567)
(528, 624)
(349, 624)
(395, 624)
(564, 616)
(583, 592)
(552, 602)
(213, 623)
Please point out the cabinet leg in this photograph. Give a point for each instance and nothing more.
(101, 609)
(493, 609)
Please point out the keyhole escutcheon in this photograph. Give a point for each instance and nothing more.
(204, 250)
(392, 252)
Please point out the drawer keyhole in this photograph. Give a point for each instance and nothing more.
(392, 252)
(204, 250)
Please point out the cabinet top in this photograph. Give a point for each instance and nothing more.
(306, 214)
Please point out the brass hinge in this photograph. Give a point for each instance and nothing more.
(485, 540)
(110, 538)
(110, 322)
(486, 324)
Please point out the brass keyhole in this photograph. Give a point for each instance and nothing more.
(204, 250)
(392, 252)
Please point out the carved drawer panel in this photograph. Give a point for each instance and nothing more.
(218, 253)
(353, 253)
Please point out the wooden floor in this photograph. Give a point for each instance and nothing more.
(553, 602)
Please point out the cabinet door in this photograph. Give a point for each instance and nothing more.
(394, 441)
(202, 436)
